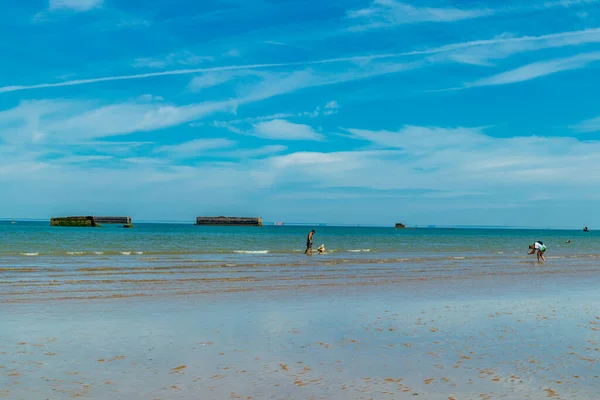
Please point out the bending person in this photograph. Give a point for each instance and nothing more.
(540, 247)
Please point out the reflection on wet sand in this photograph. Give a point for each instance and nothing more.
(381, 329)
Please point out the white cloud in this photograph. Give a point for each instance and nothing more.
(422, 140)
(151, 98)
(281, 129)
(385, 13)
(332, 105)
(369, 71)
(481, 52)
(587, 126)
(539, 69)
(143, 160)
(74, 5)
(276, 84)
(251, 153)
(73, 122)
(132, 23)
(474, 52)
(179, 58)
(233, 53)
(210, 79)
(459, 158)
(197, 146)
(81, 159)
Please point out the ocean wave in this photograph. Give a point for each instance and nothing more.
(360, 251)
(98, 253)
(75, 253)
(125, 253)
(139, 252)
(251, 251)
(30, 254)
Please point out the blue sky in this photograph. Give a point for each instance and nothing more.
(370, 112)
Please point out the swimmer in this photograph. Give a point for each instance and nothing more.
(321, 249)
(540, 247)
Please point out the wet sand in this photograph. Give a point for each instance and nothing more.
(344, 333)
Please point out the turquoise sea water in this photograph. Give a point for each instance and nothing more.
(39, 261)
(28, 239)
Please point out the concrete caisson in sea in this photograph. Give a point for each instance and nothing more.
(400, 226)
(229, 221)
(90, 221)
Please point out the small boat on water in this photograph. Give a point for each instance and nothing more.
(13, 221)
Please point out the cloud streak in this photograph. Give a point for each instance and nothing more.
(538, 70)
(588, 126)
(280, 129)
(386, 13)
(196, 147)
(74, 5)
(476, 52)
(390, 13)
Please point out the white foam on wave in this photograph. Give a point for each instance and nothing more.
(30, 254)
(458, 258)
(139, 252)
(251, 251)
(75, 253)
(99, 253)
(126, 253)
(359, 250)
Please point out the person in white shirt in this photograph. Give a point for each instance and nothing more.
(540, 247)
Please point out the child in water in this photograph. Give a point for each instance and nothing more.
(540, 248)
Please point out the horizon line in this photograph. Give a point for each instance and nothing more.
(332, 225)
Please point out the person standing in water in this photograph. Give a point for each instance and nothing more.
(309, 242)
(540, 247)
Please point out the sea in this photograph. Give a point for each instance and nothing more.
(38, 261)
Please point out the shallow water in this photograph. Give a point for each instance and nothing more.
(40, 262)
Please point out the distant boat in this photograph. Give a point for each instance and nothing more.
(13, 220)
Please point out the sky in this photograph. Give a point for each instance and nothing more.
(355, 112)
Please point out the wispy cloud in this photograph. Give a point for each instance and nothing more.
(77, 82)
(179, 58)
(481, 52)
(241, 154)
(538, 69)
(82, 159)
(74, 5)
(587, 126)
(420, 139)
(131, 23)
(475, 52)
(385, 13)
(196, 147)
(280, 129)
(389, 13)
(72, 122)
(210, 79)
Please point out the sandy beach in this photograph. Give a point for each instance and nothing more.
(532, 335)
